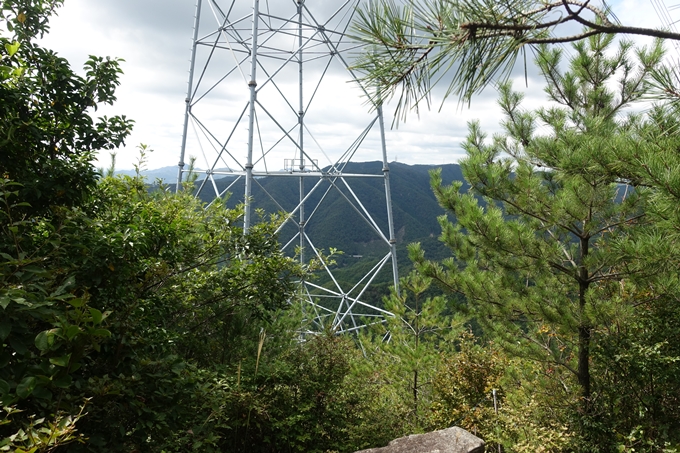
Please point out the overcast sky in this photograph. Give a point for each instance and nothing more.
(154, 39)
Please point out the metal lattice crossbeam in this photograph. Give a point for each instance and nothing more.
(260, 79)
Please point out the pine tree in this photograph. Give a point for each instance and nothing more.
(532, 247)
(407, 348)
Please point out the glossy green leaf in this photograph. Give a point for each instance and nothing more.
(26, 386)
(101, 333)
(65, 286)
(77, 302)
(72, 331)
(61, 361)
(44, 340)
(96, 316)
(21, 301)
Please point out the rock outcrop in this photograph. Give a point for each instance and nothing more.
(451, 440)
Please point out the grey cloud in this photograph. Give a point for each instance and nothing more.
(155, 38)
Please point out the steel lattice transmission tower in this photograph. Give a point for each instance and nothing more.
(267, 99)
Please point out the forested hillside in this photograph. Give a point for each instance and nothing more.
(414, 206)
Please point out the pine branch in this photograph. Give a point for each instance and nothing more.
(411, 48)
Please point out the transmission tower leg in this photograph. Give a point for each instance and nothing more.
(252, 85)
(301, 126)
(388, 198)
(190, 87)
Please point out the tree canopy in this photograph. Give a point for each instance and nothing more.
(540, 244)
(46, 111)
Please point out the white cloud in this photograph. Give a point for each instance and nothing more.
(154, 37)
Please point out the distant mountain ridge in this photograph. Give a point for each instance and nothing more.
(414, 206)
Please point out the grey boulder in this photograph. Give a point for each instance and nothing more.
(450, 440)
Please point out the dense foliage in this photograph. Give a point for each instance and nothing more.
(49, 137)
(134, 320)
(547, 266)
